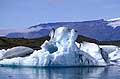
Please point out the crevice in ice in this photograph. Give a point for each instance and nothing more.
(105, 56)
(51, 48)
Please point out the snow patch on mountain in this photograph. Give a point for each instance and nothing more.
(114, 22)
(114, 19)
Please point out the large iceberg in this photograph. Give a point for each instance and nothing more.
(62, 50)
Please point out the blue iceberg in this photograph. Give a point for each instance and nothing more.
(62, 50)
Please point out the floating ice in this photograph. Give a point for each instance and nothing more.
(109, 48)
(19, 51)
(2, 52)
(95, 51)
(113, 53)
(62, 50)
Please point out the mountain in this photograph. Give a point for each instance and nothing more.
(4, 32)
(102, 30)
(32, 34)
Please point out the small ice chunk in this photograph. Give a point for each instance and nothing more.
(19, 51)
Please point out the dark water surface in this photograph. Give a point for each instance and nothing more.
(112, 72)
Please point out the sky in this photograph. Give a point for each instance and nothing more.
(24, 13)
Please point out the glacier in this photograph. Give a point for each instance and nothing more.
(63, 50)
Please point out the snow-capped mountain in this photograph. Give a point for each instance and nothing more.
(103, 30)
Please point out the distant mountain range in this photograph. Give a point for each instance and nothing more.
(102, 30)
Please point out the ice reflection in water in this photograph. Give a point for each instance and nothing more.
(60, 73)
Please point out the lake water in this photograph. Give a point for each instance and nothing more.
(111, 72)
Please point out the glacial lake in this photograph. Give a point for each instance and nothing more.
(111, 72)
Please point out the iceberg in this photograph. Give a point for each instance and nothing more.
(63, 50)
(113, 53)
(109, 48)
(96, 52)
(2, 52)
(19, 51)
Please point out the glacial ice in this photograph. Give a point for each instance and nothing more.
(2, 52)
(109, 48)
(19, 51)
(93, 50)
(62, 50)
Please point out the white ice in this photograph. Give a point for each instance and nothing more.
(62, 50)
